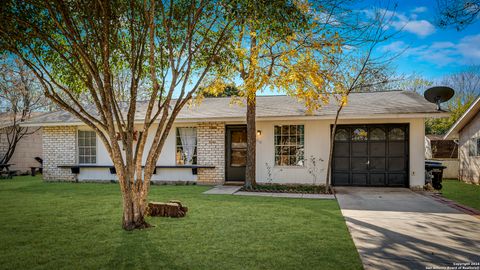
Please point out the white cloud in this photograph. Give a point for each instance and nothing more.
(419, 9)
(394, 47)
(401, 22)
(466, 51)
(421, 28)
(469, 46)
(442, 45)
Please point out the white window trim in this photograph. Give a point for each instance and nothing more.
(176, 145)
(78, 147)
(304, 148)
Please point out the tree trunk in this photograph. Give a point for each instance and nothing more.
(134, 212)
(250, 181)
(12, 136)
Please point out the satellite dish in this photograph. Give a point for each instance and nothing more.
(439, 94)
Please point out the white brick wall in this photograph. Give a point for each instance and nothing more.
(59, 148)
(211, 151)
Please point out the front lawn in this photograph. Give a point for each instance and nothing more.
(68, 225)
(461, 192)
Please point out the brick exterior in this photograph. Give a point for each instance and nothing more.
(211, 151)
(59, 148)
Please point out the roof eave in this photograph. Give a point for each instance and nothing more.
(453, 132)
(271, 118)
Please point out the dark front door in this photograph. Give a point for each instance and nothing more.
(236, 153)
(370, 155)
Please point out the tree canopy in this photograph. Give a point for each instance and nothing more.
(81, 50)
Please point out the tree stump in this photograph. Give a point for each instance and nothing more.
(172, 208)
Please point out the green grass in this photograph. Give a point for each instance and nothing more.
(461, 192)
(68, 225)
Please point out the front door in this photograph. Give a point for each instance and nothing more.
(236, 153)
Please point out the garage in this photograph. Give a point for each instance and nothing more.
(371, 155)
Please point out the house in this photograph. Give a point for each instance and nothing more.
(379, 142)
(467, 131)
(26, 150)
(445, 151)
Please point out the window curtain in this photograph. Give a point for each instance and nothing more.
(188, 136)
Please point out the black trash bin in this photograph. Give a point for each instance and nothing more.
(434, 173)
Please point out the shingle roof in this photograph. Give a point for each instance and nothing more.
(359, 104)
(7, 118)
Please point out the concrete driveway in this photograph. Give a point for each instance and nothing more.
(400, 229)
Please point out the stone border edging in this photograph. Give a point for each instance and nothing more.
(453, 204)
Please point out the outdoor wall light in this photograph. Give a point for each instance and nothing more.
(259, 132)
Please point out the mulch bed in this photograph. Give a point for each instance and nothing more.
(277, 188)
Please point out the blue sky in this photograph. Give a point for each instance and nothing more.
(428, 50)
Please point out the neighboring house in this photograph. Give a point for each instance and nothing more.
(445, 151)
(29, 147)
(380, 142)
(467, 131)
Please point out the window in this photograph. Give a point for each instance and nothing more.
(87, 147)
(238, 149)
(396, 134)
(289, 145)
(186, 141)
(341, 135)
(360, 134)
(377, 134)
(474, 147)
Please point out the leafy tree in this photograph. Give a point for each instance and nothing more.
(79, 49)
(263, 34)
(317, 53)
(228, 91)
(274, 44)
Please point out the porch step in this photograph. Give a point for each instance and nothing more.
(234, 183)
(222, 190)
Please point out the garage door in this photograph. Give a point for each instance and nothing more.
(370, 155)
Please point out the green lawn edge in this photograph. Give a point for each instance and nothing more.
(461, 192)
